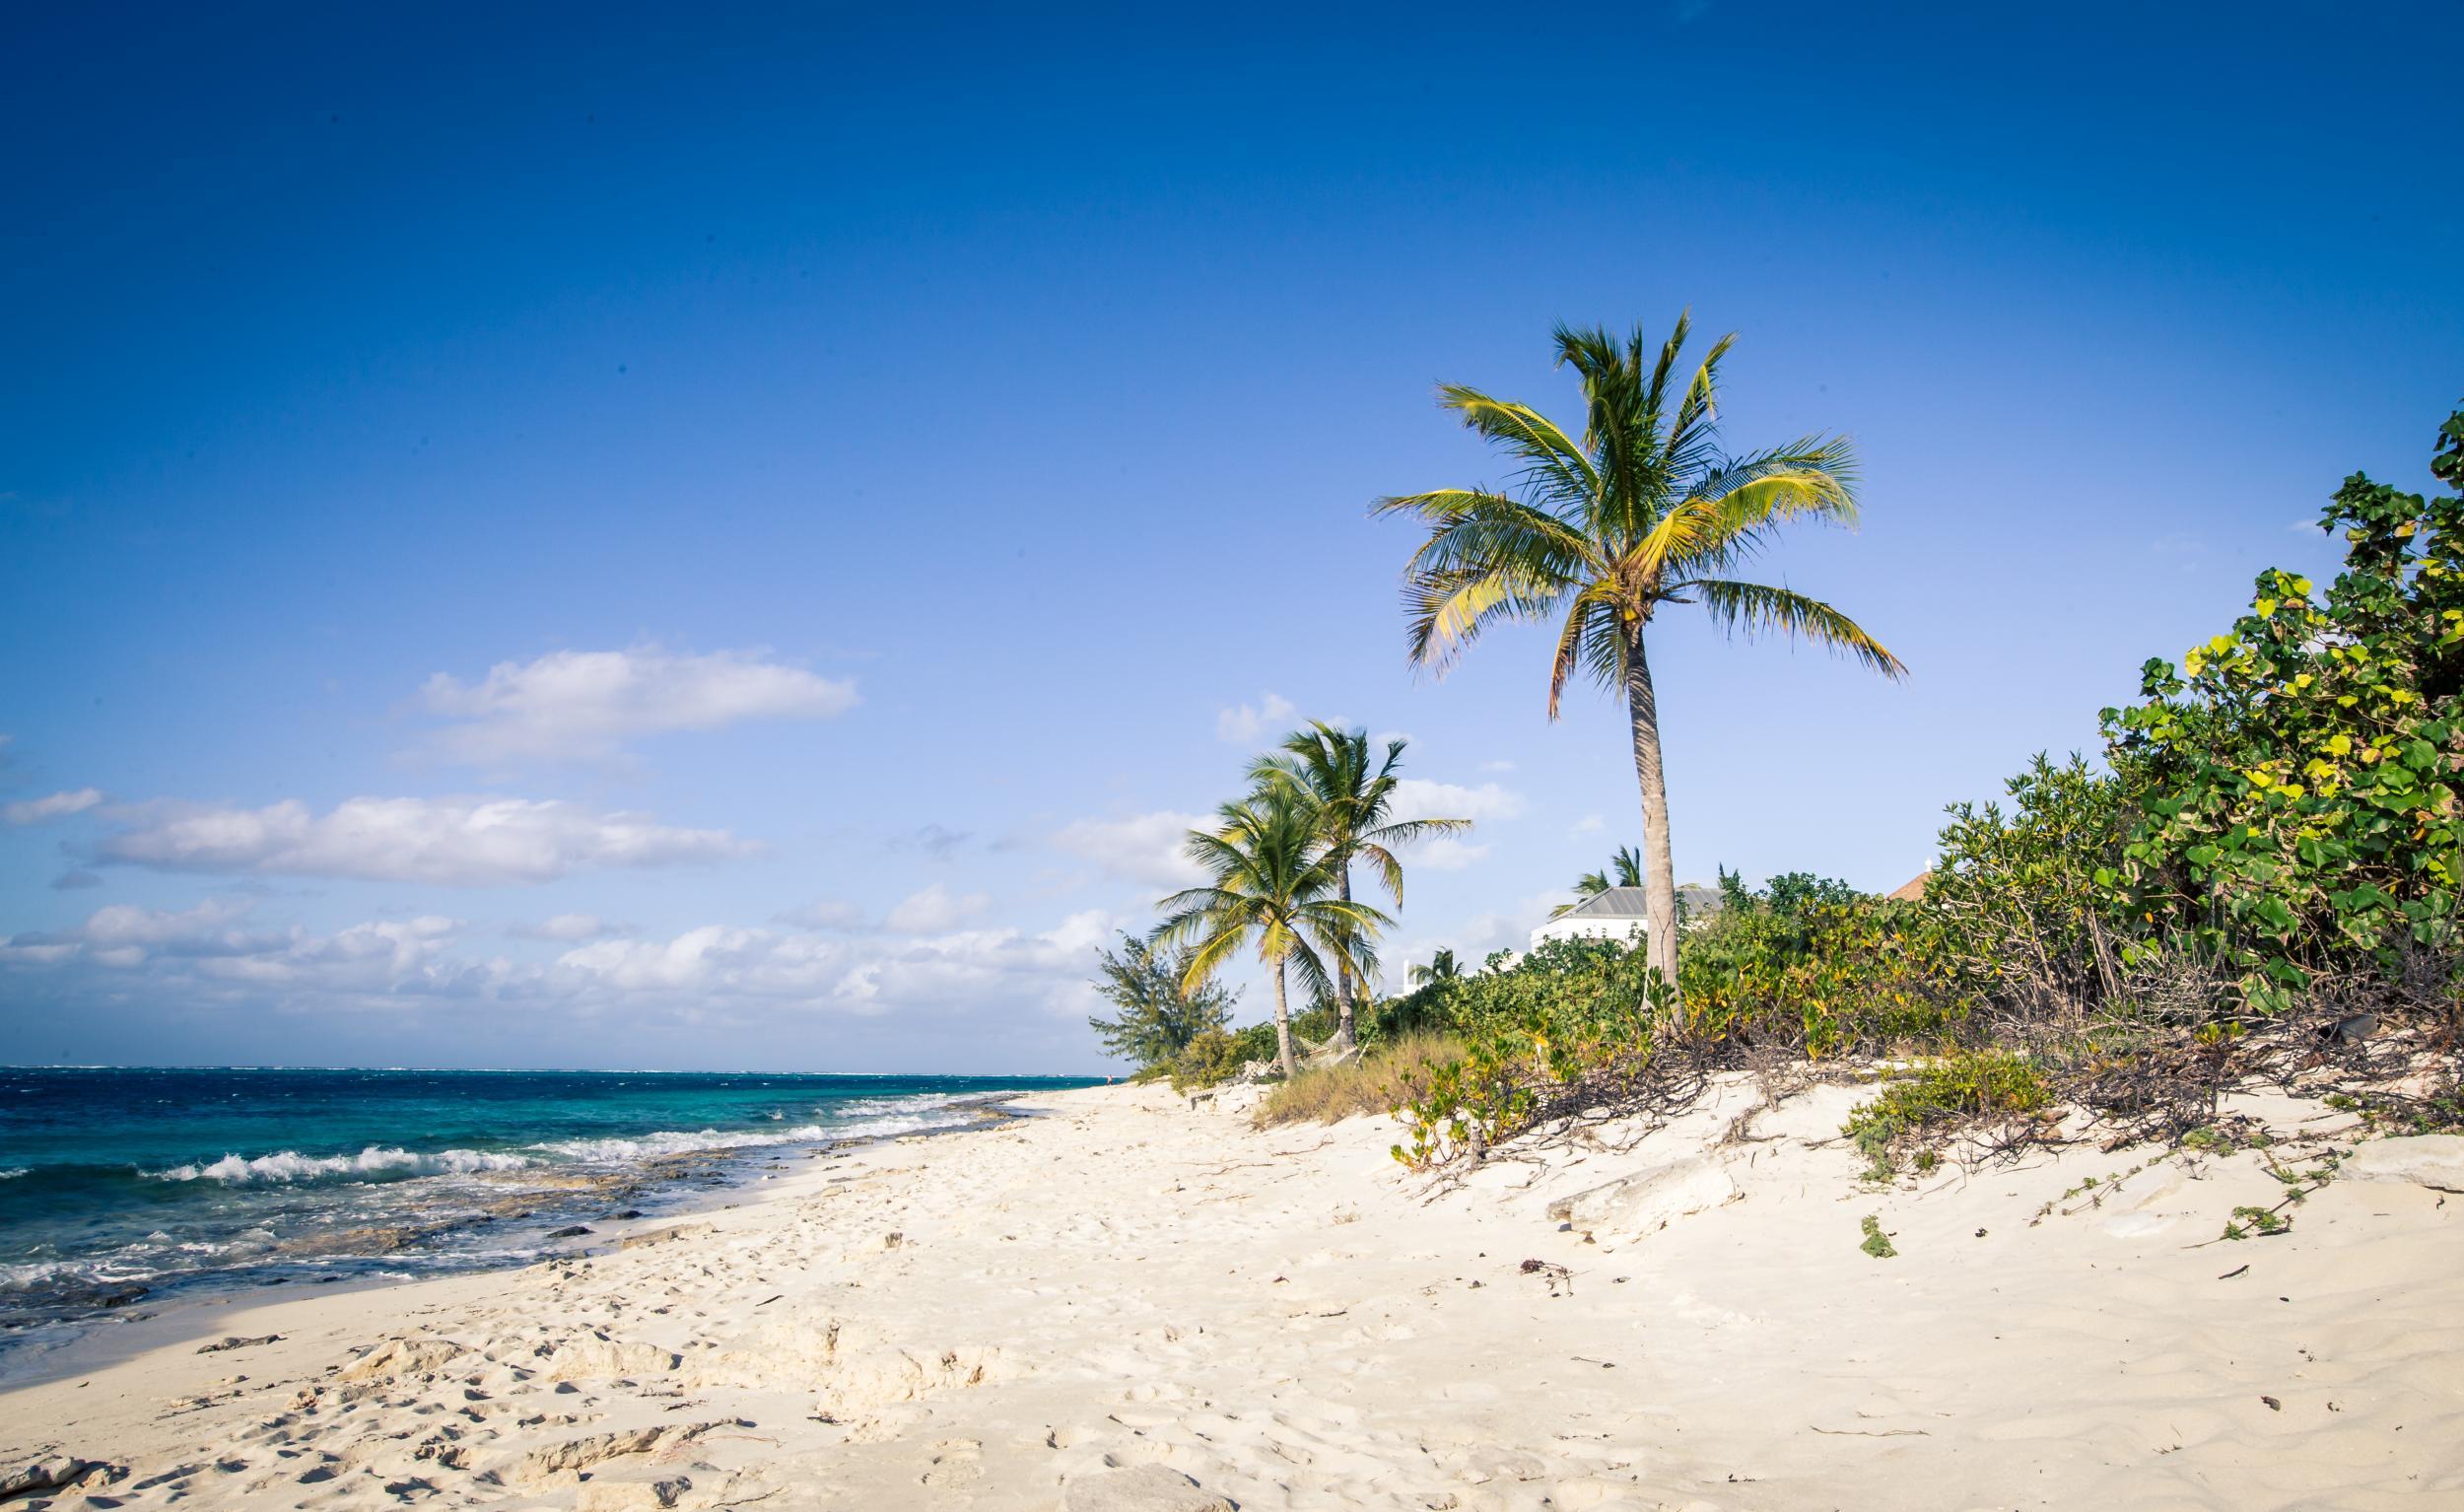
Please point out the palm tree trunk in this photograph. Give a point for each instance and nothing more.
(1344, 1040)
(1283, 1027)
(1642, 707)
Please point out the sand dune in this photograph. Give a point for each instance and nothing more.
(1126, 1303)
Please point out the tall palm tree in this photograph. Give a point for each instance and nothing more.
(1625, 869)
(1646, 510)
(1353, 797)
(1270, 882)
(1442, 967)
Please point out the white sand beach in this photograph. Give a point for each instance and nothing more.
(1128, 1304)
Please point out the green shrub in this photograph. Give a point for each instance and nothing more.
(2298, 774)
(1823, 975)
(2278, 817)
(1217, 1056)
(1569, 1026)
(1961, 1088)
(2022, 896)
(2258, 1222)
(1156, 1012)
(1210, 1058)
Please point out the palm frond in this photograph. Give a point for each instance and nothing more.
(1830, 457)
(1447, 610)
(1388, 866)
(1727, 517)
(1656, 389)
(1752, 609)
(1620, 432)
(1208, 956)
(1478, 528)
(1315, 980)
(1555, 467)
(1694, 428)
(1594, 609)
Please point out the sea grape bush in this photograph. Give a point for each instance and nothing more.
(1825, 973)
(1568, 1025)
(1577, 1024)
(2278, 811)
(2024, 896)
(2297, 777)
(1960, 1087)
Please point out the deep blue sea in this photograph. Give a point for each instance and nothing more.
(121, 1189)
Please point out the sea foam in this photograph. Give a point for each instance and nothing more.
(375, 1161)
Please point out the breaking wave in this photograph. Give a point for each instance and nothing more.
(651, 1146)
(375, 1161)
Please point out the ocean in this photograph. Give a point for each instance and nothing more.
(121, 1189)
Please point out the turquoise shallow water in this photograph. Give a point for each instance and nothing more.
(122, 1188)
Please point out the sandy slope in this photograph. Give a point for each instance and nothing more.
(998, 1320)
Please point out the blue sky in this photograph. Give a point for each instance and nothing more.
(592, 538)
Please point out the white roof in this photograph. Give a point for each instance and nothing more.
(1615, 903)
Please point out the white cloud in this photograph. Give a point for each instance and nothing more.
(206, 945)
(1417, 799)
(727, 963)
(569, 927)
(57, 805)
(124, 923)
(1447, 854)
(586, 705)
(1146, 848)
(1589, 824)
(454, 842)
(933, 909)
(773, 983)
(1245, 723)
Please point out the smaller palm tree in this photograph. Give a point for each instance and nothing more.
(1442, 967)
(1626, 867)
(1271, 884)
(1352, 794)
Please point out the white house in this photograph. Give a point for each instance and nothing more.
(1617, 913)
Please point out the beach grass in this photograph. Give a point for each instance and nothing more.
(1385, 1077)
